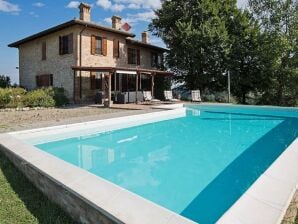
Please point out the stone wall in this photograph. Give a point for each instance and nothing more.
(31, 63)
(109, 60)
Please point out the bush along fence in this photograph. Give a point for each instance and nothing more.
(20, 98)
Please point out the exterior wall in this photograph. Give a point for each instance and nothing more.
(31, 63)
(109, 60)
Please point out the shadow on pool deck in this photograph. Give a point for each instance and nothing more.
(232, 182)
(37, 207)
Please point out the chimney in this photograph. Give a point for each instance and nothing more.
(85, 12)
(145, 37)
(116, 22)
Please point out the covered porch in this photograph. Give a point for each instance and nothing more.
(105, 85)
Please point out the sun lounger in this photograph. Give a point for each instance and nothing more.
(148, 97)
(169, 96)
(196, 96)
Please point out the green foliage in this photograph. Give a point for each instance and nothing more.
(258, 46)
(196, 33)
(59, 97)
(279, 31)
(39, 98)
(4, 81)
(22, 203)
(19, 97)
(4, 97)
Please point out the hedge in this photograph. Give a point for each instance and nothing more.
(44, 97)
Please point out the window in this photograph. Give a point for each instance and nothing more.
(66, 44)
(156, 59)
(116, 47)
(98, 45)
(43, 51)
(96, 80)
(44, 80)
(133, 56)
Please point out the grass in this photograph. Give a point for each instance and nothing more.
(21, 202)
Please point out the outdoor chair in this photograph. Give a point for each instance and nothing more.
(196, 96)
(148, 97)
(169, 96)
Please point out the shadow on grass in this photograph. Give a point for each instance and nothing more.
(36, 204)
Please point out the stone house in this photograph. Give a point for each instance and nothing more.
(84, 58)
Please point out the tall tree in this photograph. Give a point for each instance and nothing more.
(244, 57)
(196, 34)
(279, 23)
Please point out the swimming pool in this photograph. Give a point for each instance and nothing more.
(197, 165)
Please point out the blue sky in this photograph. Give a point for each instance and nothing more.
(21, 18)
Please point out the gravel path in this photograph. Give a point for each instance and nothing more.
(21, 120)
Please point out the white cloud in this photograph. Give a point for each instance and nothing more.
(73, 4)
(108, 20)
(136, 4)
(117, 7)
(141, 16)
(38, 4)
(6, 6)
(33, 14)
(106, 4)
(133, 6)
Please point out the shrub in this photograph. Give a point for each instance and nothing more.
(17, 96)
(59, 97)
(4, 97)
(39, 98)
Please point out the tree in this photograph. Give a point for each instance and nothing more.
(4, 81)
(196, 34)
(279, 25)
(244, 57)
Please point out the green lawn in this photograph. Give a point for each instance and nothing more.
(21, 202)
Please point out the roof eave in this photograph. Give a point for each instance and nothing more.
(65, 25)
(141, 44)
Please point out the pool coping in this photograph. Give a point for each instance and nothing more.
(259, 204)
(112, 201)
(268, 198)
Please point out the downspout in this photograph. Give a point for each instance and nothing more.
(80, 59)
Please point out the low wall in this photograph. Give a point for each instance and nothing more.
(76, 207)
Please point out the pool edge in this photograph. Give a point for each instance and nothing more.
(268, 198)
(70, 186)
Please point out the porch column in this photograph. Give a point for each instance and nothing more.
(152, 84)
(107, 89)
(74, 85)
(80, 85)
(137, 84)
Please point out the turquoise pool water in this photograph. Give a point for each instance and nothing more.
(197, 165)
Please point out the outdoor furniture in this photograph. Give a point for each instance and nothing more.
(148, 97)
(169, 96)
(99, 97)
(129, 97)
(196, 96)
